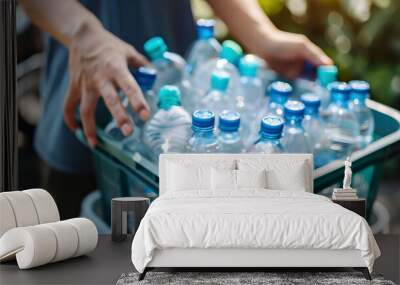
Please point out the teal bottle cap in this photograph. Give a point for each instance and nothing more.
(155, 47)
(327, 74)
(248, 66)
(220, 80)
(168, 96)
(231, 51)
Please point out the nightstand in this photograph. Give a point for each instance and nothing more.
(357, 206)
(119, 215)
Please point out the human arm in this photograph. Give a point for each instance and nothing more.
(284, 52)
(98, 63)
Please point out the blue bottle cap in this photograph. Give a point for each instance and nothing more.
(311, 100)
(168, 96)
(293, 108)
(220, 80)
(360, 87)
(145, 77)
(340, 91)
(155, 47)
(205, 28)
(231, 51)
(203, 119)
(279, 89)
(327, 74)
(248, 66)
(229, 121)
(272, 126)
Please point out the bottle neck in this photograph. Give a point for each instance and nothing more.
(359, 99)
(293, 121)
(341, 103)
(311, 112)
(278, 99)
(202, 132)
(269, 137)
(228, 133)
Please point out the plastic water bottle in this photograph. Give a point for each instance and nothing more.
(295, 139)
(342, 128)
(326, 74)
(252, 86)
(145, 77)
(315, 128)
(169, 129)
(203, 139)
(229, 136)
(227, 61)
(217, 98)
(204, 48)
(270, 136)
(170, 66)
(359, 94)
(278, 93)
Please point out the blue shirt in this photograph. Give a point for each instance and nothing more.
(133, 21)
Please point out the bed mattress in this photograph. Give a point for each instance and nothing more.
(251, 219)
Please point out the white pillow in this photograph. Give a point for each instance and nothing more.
(251, 178)
(281, 174)
(183, 178)
(223, 179)
(193, 174)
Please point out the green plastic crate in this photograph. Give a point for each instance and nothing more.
(121, 173)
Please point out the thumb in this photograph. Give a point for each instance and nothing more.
(314, 54)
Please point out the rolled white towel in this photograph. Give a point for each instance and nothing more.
(23, 208)
(45, 205)
(40, 244)
(7, 218)
(87, 234)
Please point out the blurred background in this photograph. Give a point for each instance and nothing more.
(362, 37)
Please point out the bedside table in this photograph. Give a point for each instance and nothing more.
(357, 206)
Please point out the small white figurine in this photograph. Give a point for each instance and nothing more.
(347, 174)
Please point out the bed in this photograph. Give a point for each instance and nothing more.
(245, 210)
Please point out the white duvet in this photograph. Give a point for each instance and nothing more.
(250, 219)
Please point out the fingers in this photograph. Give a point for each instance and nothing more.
(135, 59)
(70, 104)
(289, 69)
(113, 103)
(88, 109)
(313, 53)
(132, 90)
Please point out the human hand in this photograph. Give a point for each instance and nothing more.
(98, 66)
(286, 53)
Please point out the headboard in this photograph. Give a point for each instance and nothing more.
(210, 159)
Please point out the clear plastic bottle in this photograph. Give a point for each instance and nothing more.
(295, 139)
(326, 74)
(270, 136)
(359, 94)
(227, 61)
(203, 139)
(170, 66)
(315, 128)
(217, 98)
(169, 129)
(204, 48)
(278, 93)
(145, 77)
(342, 128)
(228, 135)
(252, 86)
